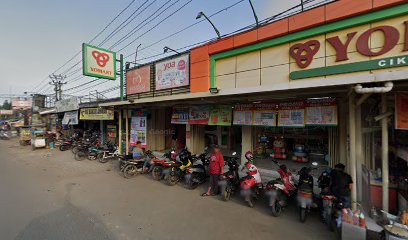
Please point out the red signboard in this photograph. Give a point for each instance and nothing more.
(138, 80)
(401, 111)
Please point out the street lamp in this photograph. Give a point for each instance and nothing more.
(127, 65)
(201, 14)
(166, 49)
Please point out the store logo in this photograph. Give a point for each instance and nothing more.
(303, 53)
(101, 58)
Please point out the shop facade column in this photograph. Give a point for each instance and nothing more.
(384, 153)
(127, 129)
(359, 154)
(120, 132)
(352, 145)
(195, 138)
(102, 128)
(247, 141)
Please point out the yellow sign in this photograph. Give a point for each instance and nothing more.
(96, 114)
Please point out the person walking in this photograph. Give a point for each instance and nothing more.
(216, 169)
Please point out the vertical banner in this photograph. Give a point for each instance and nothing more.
(265, 114)
(173, 73)
(221, 115)
(180, 115)
(199, 115)
(111, 133)
(138, 129)
(401, 111)
(291, 114)
(243, 114)
(321, 111)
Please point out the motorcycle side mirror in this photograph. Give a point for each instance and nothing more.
(315, 164)
(234, 153)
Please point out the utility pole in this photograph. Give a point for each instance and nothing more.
(57, 81)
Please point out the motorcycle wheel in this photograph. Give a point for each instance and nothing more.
(303, 215)
(74, 150)
(102, 158)
(79, 156)
(157, 173)
(276, 209)
(62, 148)
(130, 171)
(170, 179)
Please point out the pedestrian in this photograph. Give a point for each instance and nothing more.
(216, 169)
(341, 184)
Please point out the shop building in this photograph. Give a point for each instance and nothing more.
(332, 79)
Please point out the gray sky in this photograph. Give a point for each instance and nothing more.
(37, 37)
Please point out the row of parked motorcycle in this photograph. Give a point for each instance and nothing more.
(192, 170)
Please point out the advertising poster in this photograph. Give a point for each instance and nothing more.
(199, 115)
(265, 114)
(138, 129)
(401, 111)
(70, 118)
(321, 111)
(111, 133)
(243, 114)
(180, 115)
(138, 80)
(20, 104)
(96, 114)
(173, 73)
(291, 114)
(66, 105)
(221, 115)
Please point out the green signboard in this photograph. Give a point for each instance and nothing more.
(98, 62)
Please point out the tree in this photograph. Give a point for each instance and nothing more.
(6, 105)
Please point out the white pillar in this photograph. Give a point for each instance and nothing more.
(359, 154)
(120, 131)
(127, 130)
(352, 137)
(247, 141)
(384, 136)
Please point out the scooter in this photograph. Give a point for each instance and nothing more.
(251, 185)
(279, 190)
(132, 167)
(229, 182)
(305, 192)
(161, 163)
(177, 169)
(197, 174)
(108, 153)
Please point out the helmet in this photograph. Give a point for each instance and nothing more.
(249, 156)
(184, 155)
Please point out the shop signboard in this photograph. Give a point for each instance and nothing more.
(138, 129)
(291, 114)
(199, 115)
(70, 118)
(138, 80)
(243, 114)
(111, 132)
(180, 115)
(6, 112)
(265, 114)
(98, 62)
(173, 73)
(96, 114)
(220, 115)
(21, 104)
(401, 111)
(67, 105)
(321, 111)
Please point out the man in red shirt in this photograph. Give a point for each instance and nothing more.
(216, 169)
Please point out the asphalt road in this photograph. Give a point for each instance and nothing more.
(46, 194)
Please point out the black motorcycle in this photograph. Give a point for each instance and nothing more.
(109, 152)
(197, 173)
(177, 169)
(305, 192)
(229, 183)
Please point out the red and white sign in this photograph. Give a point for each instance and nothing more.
(173, 73)
(98, 62)
(138, 80)
(21, 104)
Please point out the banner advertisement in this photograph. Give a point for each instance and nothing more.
(180, 115)
(70, 118)
(6, 112)
(111, 133)
(321, 111)
(138, 130)
(96, 114)
(98, 62)
(199, 115)
(138, 80)
(291, 114)
(221, 115)
(21, 104)
(67, 105)
(401, 111)
(173, 73)
(243, 114)
(265, 114)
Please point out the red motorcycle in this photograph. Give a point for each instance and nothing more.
(251, 185)
(158, 164)
(279, 190)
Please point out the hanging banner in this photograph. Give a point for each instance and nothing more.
(98, 62)
(180, 115)
(67, 105)
(291, 114)
(321, 111)
(96, 114)
(265, 114)
(139, 129)
(220, 115)
(401, 111)
(243, 114)
(70, 118)
(173, 73)
(138, 80)
(199, 115)
(21, 104)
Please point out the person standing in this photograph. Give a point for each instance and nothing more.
(216, 169)
(341, 184)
